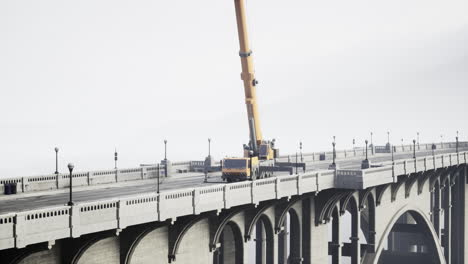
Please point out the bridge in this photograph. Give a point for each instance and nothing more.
(407, 206)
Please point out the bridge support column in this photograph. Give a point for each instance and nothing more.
(315, 237)
(464, 230)
(446, 236)
(283, 244)
(355, 245)
(436, 212)
(260, 243)
(335, 245)
(459, 218)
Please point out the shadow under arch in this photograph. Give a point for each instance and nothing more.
(232, 245)
(264, 247)
(293, 237)
(420, 219)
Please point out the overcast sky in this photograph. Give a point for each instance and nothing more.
(91, 76)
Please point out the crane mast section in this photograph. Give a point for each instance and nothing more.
(248, 74)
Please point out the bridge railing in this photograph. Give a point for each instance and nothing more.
(361, 151)
(53, 181)
(387, 172)
(48, 224)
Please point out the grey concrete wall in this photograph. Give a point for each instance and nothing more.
(104, 251)
(152, 248)
(194, 248)
(51, 256)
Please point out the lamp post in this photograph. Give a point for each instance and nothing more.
(388, 137)
(165, 149)
(165, 158)
(296, 162)
(414, 148)
(456, 144)
(158, 176)
(300, 148)
(402, 146)
(418, 139)
(354, 148)
(56, 160)
(115, 159)
(334, 153)
(70, 168)
(391, 151)
(441, 141)
(366, 148)
(372, 142)
(209, 147)
(365, 163)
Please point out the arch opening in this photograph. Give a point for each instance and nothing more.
(289, 243)
(367, 225)
(261, 249)
(411, 241)
(231, 249)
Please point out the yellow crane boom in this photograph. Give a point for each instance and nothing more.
(248, 76)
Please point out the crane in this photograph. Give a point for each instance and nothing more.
(259, 154)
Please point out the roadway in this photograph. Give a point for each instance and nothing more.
(191, 180)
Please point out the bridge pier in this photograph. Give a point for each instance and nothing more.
(447, 207)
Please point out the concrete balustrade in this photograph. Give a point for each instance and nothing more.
(42, 225)
(53, 181)
(50, 224)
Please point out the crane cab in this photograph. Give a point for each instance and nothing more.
(240, 169)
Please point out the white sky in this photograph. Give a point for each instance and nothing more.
(88, 76)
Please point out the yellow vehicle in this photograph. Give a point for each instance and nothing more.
(258, 153)
(240, 169)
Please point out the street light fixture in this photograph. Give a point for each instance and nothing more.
(365, 163)
(391, 151)
(354, 148)
(296, 162)
(70, 168)
(165, 158)
(115, 158)
(300, 148)
(165, 149)
(334, 152)
(366, 149)
(158, 177)
(209, 147)
(56, 160)
(418, 139)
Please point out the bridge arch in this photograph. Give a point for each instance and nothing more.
(106, 246)
(33, 252)
(422, 220)
(367, 224)
(150, 244)
(231, 250)
(260, 215)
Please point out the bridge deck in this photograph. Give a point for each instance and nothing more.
(19, 203)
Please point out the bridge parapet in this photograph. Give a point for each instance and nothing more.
(49, 224)
(387, 172)
(53, 181)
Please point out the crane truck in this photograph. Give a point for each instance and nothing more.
(259, 154)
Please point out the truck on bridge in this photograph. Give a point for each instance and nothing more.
(259, 154)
